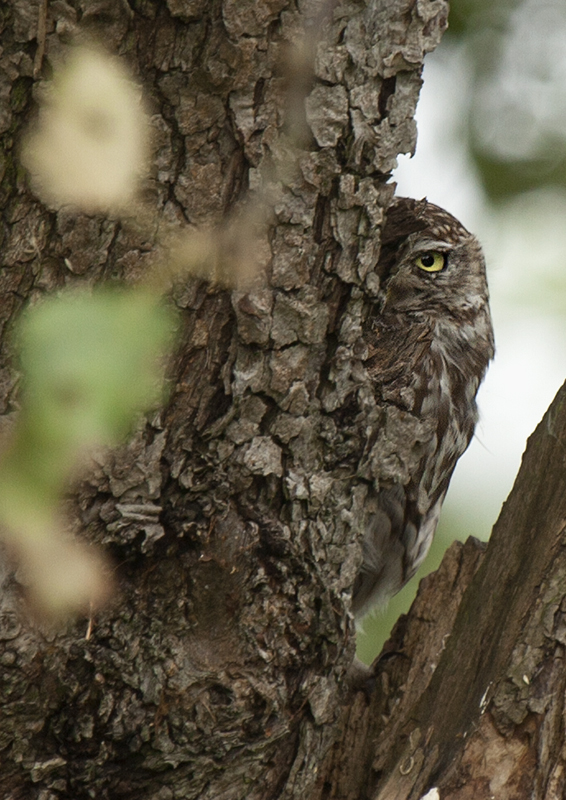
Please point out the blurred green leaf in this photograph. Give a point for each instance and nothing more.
(91, 363)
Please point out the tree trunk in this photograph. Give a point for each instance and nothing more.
(233, 518)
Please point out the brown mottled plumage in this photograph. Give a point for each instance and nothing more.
(428, 350)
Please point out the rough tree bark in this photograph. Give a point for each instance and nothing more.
(234, 515)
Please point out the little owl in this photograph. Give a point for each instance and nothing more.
(428, 347)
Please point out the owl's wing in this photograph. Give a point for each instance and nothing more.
(396, 540)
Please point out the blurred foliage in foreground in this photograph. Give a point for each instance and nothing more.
(91, 364)
(92, 361)
(516, 127)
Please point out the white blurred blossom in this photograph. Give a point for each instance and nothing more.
(89, 147)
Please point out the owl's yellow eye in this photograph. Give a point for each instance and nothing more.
(433, 261)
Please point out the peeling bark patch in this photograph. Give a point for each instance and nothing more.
(327, 114)
(299, 317)
(263, 457)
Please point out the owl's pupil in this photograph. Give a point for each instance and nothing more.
(427, 260)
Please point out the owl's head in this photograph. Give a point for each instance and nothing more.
(430, 263)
